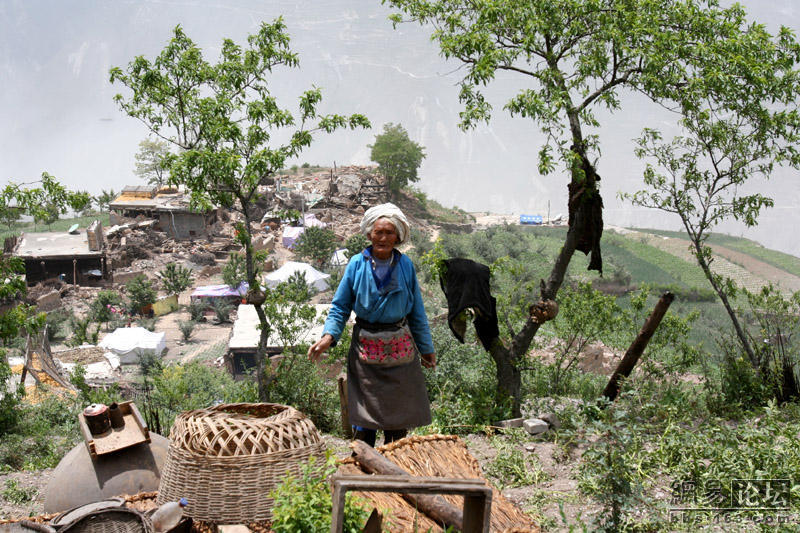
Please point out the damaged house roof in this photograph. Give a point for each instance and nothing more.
(55, 244)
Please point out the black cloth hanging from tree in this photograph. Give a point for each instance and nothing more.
(466, 286)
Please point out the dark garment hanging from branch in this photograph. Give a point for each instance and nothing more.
(466, 286)
(586, 210)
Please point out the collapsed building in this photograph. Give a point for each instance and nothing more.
(169, 207)
(74, 257)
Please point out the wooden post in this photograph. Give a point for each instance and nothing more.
(347, 429)
(434, 506)
(638, 345)
(74, 272)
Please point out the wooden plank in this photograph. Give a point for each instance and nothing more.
(477, 496)
(347, 429)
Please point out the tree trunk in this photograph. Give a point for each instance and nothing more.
(261, 377)
(740, 333)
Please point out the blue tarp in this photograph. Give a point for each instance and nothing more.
(530, 219)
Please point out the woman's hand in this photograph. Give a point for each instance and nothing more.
(429, 360)
(320, 347)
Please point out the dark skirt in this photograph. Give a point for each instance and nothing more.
(380, 397)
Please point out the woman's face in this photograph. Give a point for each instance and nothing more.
(383, 237)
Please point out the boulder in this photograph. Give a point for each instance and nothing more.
(534, 426)
(121, 278)
(49, 301)
(552, 420)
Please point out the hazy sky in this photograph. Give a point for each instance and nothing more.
(57, 113)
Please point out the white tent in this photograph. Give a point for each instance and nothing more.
(129, 344)
(339, 257)
(314, 277)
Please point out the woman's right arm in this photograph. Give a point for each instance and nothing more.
(338, 314)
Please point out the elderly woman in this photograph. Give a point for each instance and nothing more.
(385, 385)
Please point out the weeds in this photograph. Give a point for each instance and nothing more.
(16, 494)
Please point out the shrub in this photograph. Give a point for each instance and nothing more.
(316, 244)
(462, 390)
(222, 308)
(175, 278)
(295, 289)
(304, 503)
(147, 323)
(81, 332)
(234, 273)
(177, 388)
(300, 383)
(187, 328)
(197, 309)
(141, 293)
(100, 308)
(355, 244)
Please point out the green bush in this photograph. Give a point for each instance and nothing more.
(462, 389)
(175, 278)
(197, 309)
(100, 308)
(355, 244)
(187, 328)
(316, 244)
(234, 273)
(141, 293)
(170, 390)
(222, 308)
(303, 503)
(298, 382)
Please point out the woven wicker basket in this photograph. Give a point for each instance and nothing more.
(119, 520)
(227, 459)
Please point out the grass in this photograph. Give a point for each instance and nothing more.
(785, 262)
(59, 225)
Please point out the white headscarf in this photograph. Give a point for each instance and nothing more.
(391, 213)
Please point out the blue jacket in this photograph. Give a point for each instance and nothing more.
(400, 298)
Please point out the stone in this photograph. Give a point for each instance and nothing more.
(124, 277)
(233, 528)
(552, 420)
(534, 426)
(48, 301)
(210, 271)
(511, 423)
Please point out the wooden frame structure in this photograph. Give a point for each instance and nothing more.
(477, 496)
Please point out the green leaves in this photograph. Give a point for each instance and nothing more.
(398, 157)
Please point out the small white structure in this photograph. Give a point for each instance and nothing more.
(314, 277)
(129, 344)
(246, 333)
(339, 258)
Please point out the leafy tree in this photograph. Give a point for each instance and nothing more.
(151, 161)
(47, 215)
(105, 197)
(141, 293)
(224, 122)
(732, 133)
(585, 315)
(45, 202)
(398, 157)
(316, 244)
(9, 215)
(175, 278)
(577, 56)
